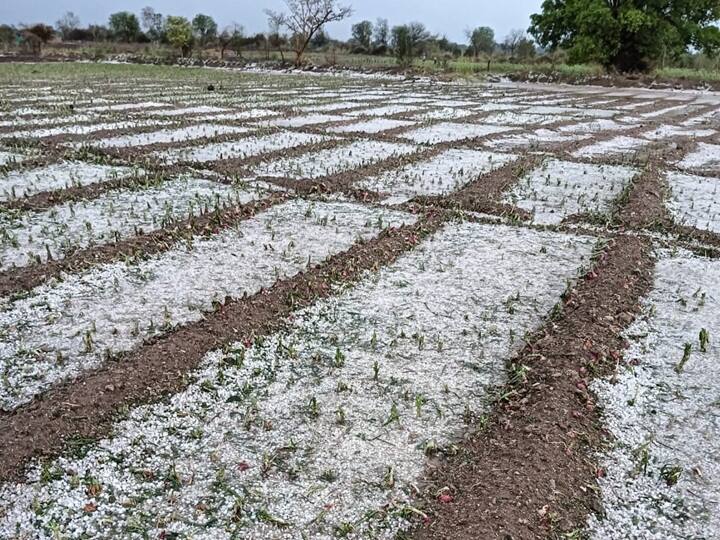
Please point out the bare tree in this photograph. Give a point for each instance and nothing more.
(304, 19)
(513, 39)
(67, 24)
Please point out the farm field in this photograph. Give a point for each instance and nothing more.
(279, 306)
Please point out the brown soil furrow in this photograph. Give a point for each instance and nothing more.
(47, 199)
(86, 408)
(17, 280)
(484, 194)
(528, 472)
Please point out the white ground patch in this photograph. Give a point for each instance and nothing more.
(533, 139)
(442, 174)
(664, 418)
(335, 160)
(448, 132)
(595, 126)
(446, 113)
(241, 149)
(8, 158)
(561, 188)
(694, 201)
(18, 184)
(387, 110)
(669, 132)
(250, 114)
(168, 136)
(84, 129)
(115, 307)
(617, 146)
(520, 119)
(312, 432)
(376, 125)
(704, 157)
(27, 237)
(300, 121)
(200, 109)
(123, 107)
(571, 112)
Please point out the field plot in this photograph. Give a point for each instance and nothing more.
(559, 189)
(18, 184)
(662, 476)
(365, 373)
(29, 237)
(441, 175)
(283, 306)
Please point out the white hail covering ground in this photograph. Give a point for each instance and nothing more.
(521, 119)
(533, 139)
(240, 149)
(706, 157)
(595, 126)
(440, 175)
(27, 237)
(323, 430)
(617, 146)
(116, 306)
(200, 109)
(663, 476)
(300, 121)
(669, 132)
(694, 201)
(7, 158)
(387, 110)
(562, 188)
(335, 160)
(375, 125)
(249, 114)
(571, 112)
(449, 132)
(446, 113)
(178, 135)
(84, 129)
(121, 107)
(24, 183)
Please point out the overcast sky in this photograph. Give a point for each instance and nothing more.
(449, 17)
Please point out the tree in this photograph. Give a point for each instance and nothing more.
(304, 19)
(42, 31)
(362, 33)
(628, 35)
(513, 40)
(381, 36)
(525, 49)
(406, 41)
(124, 26)
(152, 23)
(482, 40)
(8, 35)
(231, 37)
(67, 24)
(205, 28)
(179, 33)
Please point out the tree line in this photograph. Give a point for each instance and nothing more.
(622, 35)
(287, 32)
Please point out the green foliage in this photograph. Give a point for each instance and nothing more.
(43, 31)
(628, 35)
(179, 33)
(407, 40)
(362, 33)
(482, 40)
(124, 26)
(205, 28)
